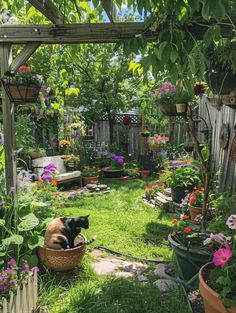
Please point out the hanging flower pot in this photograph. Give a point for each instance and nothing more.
(23, 87)
(181, 107)
(194, 212)
(220, 81)
(168, 109)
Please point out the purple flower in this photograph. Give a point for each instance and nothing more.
(113, 156)
(26, 268)
(120, 160)
(3, 289)
(9, 271)
(47, 177)
(51, 167)
(2, 277)
(36, 269)
(11, 261)
(104, 152)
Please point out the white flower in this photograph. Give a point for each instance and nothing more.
(231, 222)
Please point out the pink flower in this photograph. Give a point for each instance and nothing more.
(222, 256)
(231, 222)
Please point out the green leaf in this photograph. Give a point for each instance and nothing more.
(2, 222)
(28, 222)
(35, 241)
(205, 153)
(32, 260)
(14, 240)
(173, 54)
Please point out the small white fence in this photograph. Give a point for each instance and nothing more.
(25, 299)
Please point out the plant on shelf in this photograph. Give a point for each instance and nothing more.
(156, 142)
(152, 188)
(65, 146)
(182, 99)
(218, 279)
(22, 86)
(131, 169)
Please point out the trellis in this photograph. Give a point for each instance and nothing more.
(32, 36)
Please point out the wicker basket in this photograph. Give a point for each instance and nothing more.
(21, 93)
(62, 260)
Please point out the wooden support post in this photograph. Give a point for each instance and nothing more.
(8, 122)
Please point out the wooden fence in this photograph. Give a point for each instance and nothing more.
(220, 161)
(25, 299)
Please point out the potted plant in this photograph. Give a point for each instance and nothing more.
(116, 168)
(181, 178)
(71, 162)
(131, 169)
(23, 86)
(217, 279)
(220, 76)
(156, 142)
(190, 252)
(90, 175)
(36, 152)
(195, 201)
(182, 99)
(165, 95)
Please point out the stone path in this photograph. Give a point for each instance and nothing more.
(112, 265)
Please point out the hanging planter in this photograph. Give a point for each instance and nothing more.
(181, 108)
(221, 82)
(168, 109)
(22, 87)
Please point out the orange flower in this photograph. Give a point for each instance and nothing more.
(174, 221)
(202, 189)
(187, 230)
(40, 181)
(53, 182)
(197, 192)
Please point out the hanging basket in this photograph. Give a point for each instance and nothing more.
(21, 93)
(168, 109)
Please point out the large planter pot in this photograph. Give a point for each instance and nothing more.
(168, 109)
(62, 260)
(35, 155)
(145, 173)
(189, 261)
(211, 299)
(194, 212)
(90, 180)
(179, 192)
(221, 82)
(110, 173)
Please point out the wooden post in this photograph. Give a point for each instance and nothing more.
(8, 122)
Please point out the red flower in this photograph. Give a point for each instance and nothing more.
(185, 217)
(187, 230)
(197, 192)
(192, 199)
(127, 120)
(24, 68)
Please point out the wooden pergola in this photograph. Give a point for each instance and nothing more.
(32, 36)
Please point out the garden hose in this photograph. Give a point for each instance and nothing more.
(130, 256)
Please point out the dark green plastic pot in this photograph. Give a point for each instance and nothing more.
(179, 192)
(188, 261)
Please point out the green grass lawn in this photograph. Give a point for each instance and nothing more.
(122, 222)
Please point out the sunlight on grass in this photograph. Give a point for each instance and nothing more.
(123, 223)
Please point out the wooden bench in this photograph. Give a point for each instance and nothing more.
(62, 176)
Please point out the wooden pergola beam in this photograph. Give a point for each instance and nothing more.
(23, 56)
(73, 33)
(108, 6)
(49, 10)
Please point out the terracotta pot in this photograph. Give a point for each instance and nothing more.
(168, 109)
(90, 180)
(145, 173)
(211, 299)
(194, 211)
(62, 260)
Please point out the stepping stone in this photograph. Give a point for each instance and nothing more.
(142, 278)
(124, 274)
(165, 285)
(104, 267)
(96, 252)
(102, 187)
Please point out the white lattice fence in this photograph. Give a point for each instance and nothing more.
(25, 299)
